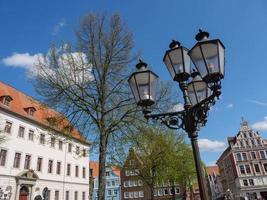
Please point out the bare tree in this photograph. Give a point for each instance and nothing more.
(88, 82)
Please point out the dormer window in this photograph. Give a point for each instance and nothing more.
(6, 100)
(30, 110)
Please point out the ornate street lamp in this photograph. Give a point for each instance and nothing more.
(200, 89)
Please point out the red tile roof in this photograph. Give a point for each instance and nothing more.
(20, 101)
(212, 169)
(95, 166)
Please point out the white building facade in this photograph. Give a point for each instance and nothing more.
(33, 158)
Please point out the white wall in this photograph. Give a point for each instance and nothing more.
(35, 149)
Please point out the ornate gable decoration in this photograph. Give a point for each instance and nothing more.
(29, 174)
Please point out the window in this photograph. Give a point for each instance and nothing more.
(84, 174)
(27, 162)
(136, 194)
(77, 171)
(253, 155)
(69, 147)
(131, 195)
(17, 160)
(50, 166)
(265, 167)
(52, 142)
(257, 168)
(58, 167)
(115, 192)
(77, 150)
(21, 132)
(252, 142)
(108, 184)
(68, 169)
(8, 127)
(31, 133)
(166, 191)
(31, 111)
(245, 135)
(56, 195)
(177, 190)
(238, 157)
(113, 183)
(107, 173)
(262, 155)
(75, 195)
(251, 182)
(83, 196)
(242, 169)
(7, 100)
(67, 195)
(126, 195)
(259, 142)
(248, 169)
(60, 145)
(141, 193)
(160, 192)
(3, 153)
(39, 164)
(42, 139)
(109, 192)
(244, 156)
(140, 183)
(250, 134)
(84, 152)
(245, 182)
(125, 183)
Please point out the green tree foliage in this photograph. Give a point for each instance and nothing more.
(163, 157)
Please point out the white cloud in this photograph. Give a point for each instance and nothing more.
(178, 107)
(230, 105)
(211, 145)
(59, 26)
(261, 125)
(258, 102)
(23, 60)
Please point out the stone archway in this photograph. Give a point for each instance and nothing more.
(24, 193)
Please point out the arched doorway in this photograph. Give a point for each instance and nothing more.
(23, 193)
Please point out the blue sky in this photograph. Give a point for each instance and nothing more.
(29, 27)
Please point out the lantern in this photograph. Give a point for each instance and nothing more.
(208, 57)
(143, 83)
(177, 61)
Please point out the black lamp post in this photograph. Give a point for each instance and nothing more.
(200, 88)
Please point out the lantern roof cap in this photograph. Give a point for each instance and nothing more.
(174, 44)
(202, 35)
(141, 64)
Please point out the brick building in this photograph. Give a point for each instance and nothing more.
(243, 165)
(133, 186)
(214, 182)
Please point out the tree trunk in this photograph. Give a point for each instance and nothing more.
(102, 166)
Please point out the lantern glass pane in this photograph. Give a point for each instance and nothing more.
(133, 86)
(187, 61)
(169, 65)
(221, 55)
(142, 80)
(197, 91)
(153, 86)
(177, 60)
(211, 55)
(198, 60)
